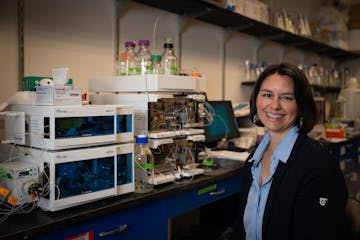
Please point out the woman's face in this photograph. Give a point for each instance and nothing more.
(276, 104)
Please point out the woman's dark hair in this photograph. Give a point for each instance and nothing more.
(307, 114)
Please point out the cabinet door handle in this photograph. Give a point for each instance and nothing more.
(115, 231)
(222, 191)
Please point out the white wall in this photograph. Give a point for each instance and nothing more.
(8, 49)
(201, 52)
(65, 33)
(81, 35)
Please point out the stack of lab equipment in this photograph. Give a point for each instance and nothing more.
(81, 153)
(167, 108)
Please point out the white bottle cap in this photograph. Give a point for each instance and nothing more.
(353, 83)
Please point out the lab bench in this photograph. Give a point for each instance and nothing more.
(348, 148)
(130, 216)
(347, 152)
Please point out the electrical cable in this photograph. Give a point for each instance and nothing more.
(154, 30)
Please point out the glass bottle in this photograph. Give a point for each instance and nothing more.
(169, 60)
(144, 165)
(156, 67)
(142, 58)
(130, 67)
(121, 69)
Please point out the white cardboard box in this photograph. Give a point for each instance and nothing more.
(58, 95)
(354, 40)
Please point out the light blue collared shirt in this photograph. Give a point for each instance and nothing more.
(256, 201)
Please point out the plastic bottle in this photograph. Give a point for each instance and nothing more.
(313, 74)
(142, 58)
(169, 60)
(357, 124)
(247, 71)
(352, 99)
(156, 67)
(144, 165)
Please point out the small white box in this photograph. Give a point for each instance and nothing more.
(254, 9)
(12, 127)
(58, 95)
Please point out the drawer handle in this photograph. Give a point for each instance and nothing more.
(112, 232)
(222, 191)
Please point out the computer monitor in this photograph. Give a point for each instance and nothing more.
(223, 124)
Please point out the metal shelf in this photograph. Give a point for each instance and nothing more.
(248, 83)
(213, 14)
(325, 89)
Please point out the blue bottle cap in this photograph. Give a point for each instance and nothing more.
(141, 139)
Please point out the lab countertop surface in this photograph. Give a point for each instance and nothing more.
(21, 226)
(336, 141)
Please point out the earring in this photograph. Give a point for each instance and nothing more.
(255, 118)
(301, 122)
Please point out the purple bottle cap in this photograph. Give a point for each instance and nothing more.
(144, 42)
(129, 44)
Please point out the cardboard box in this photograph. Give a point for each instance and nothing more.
(334, 132)
(253, 9)
(29, 83)
(354, 17)
(58, 95)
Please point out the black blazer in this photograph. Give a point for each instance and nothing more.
(293, 209)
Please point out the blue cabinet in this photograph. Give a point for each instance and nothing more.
(349, 149)
(208, 193)
(147, 220)
(140, 222)
(348, 154)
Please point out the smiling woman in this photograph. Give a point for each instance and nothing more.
(276, 104)
(298, 87)
(292, 187)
